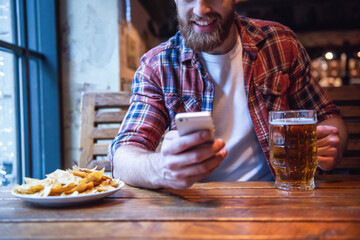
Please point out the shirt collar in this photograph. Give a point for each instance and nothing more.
(252, 36)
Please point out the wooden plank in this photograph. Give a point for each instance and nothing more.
(201, 203)
(110, 117)
(338, 177)
(350, 111)
(353, 144)
(100, 149)
(181, 230)
(349, 163)
(238, 186)
(341, 184)
(353, 127)
(264, 193)
(344, 93)
(104, 133)
(205, 209)
(5, 193)
(112, 99)
(234, 185)
(240, 193)
(87, 125)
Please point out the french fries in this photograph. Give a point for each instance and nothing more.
(68, 183)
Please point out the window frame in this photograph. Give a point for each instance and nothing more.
(37, 97)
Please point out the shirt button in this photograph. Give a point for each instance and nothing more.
(210, 89)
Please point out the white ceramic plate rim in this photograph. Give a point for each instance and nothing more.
(67, 200)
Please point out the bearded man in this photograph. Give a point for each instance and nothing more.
(238, 69)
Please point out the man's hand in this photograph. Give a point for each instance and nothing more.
(328, 146)
(188, 159)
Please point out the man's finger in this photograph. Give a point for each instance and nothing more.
(186, 142)
(330, 140)
(197, 169)
(195, 156)
(170, 135)
(323, 131)
(327, 151)
(326, 163)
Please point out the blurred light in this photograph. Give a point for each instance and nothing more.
(2, 74)
(315, 74)
(329, 55)
(7, 130)
(353, 73)
(1, 144)
(324, 66)
(334, 73)
(358, 54)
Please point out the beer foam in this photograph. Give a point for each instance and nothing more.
(293, 121)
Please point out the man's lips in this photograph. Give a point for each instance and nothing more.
(204, 25)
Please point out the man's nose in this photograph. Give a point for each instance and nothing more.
(201, 7)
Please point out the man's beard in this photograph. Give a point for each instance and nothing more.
(205, 41)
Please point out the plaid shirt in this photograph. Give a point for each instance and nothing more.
(171, 80)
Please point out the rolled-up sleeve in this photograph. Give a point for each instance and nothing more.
(147, 117)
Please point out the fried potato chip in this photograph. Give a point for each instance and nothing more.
(59, 188)
(45, 192)
(29, 180)
(103, 188)
(29, 188)
(68, 183)
(92, 190)
(81, 187)
(94, 177)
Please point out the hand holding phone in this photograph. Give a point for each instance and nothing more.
(190, 122)
(191, 158)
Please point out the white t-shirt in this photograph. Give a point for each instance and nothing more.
(245, 160)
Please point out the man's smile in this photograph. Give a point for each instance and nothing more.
(207, 25)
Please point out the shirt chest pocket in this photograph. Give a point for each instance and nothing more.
(274, 90)
(176, 104)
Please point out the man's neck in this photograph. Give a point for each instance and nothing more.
(228, 44)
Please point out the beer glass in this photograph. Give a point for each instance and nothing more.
(293, 148)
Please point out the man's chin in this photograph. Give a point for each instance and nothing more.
(201, 41)
(201, 46)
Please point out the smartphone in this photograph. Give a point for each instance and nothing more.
(190, 122)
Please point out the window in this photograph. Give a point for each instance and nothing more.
(29, 84)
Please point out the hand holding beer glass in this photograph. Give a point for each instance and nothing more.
(293, 148)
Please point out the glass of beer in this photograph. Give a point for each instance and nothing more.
(293, 148)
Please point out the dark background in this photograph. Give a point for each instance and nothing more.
(300, 15)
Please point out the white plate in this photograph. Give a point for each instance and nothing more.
(67, 200)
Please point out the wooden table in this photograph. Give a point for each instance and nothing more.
(232, 210)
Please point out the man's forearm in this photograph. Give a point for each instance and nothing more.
(134, 165)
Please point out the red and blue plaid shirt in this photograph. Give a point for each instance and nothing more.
(171, 79)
